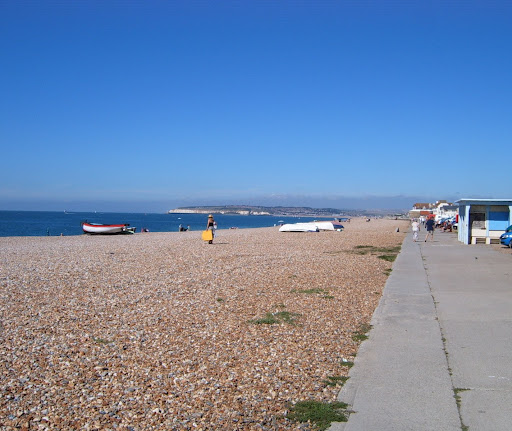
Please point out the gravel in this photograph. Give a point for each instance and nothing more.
(160, 331)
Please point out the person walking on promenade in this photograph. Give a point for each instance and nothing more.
(211, 225)
(430, 224)
(415, 229)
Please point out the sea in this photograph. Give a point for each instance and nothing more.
(48, 223)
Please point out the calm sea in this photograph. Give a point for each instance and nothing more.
(43, 223)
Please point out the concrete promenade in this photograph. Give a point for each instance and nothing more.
(439, 356)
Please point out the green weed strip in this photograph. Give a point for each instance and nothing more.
(317, 413)
(321, 414)
(335, 381)
(388, 254)
(322, 293)
(362, 333)
(277, 318)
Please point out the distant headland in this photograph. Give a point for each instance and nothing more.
(275, 211)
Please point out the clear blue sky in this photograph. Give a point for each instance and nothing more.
(148, 105)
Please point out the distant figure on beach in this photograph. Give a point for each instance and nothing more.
(430, 224)
(415, 229)
(211, 225)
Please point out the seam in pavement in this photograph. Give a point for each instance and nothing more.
(407, 292)
(443, 340)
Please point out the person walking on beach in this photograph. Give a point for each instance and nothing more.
(211, 225)
(415, 229)
(430, 224)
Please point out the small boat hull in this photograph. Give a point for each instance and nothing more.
(324, 225)
(314, 226)
(106, 229)
(329, 225)
(298, 227)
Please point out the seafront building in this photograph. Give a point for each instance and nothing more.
(483, 220)
(441, 209)
(479, 221)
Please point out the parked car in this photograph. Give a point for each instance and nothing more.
(506, 238)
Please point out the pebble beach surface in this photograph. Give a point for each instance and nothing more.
(162, 331)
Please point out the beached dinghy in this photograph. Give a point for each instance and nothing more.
(328, 225)
(324, 225)
(298, 227)
(106, 229)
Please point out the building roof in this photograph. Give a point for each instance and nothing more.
(422, 205)
(484, 201)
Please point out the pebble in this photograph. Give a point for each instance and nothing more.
(156, 331)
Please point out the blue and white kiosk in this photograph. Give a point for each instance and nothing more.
(483, 220)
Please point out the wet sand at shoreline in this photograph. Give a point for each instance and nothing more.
(164, 331)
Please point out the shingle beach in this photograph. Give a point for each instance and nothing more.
(162, 331)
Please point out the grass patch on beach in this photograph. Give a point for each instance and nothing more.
(101, 340)
(319, 413)
(388, 257)
(361, 333)
(348, 364)
(277, 318)
(386, 253)
(269, 319)
(363, 249)
(309, 291)
(314, 291)
(335, 380)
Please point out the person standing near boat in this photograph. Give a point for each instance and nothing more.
(211, 225)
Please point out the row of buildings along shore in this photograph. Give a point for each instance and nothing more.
(477, 220)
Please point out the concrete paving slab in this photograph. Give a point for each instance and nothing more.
(486, 409)
(480, 354)
(444, 323)
(400, 380)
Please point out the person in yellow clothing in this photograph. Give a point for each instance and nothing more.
(210, 225)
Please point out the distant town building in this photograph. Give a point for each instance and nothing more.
(420, 209)
(441, 209)
(445, 209)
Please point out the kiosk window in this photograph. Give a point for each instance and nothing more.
(477, 220)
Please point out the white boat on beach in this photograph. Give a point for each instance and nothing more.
(298, 227)
(107, 229)
(324, 225)
(313, 226)
(328, 225)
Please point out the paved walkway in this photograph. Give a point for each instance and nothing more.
(443, 328)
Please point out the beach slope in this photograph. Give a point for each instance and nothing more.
(165, 331)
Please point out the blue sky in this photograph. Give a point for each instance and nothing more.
(149, 105)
